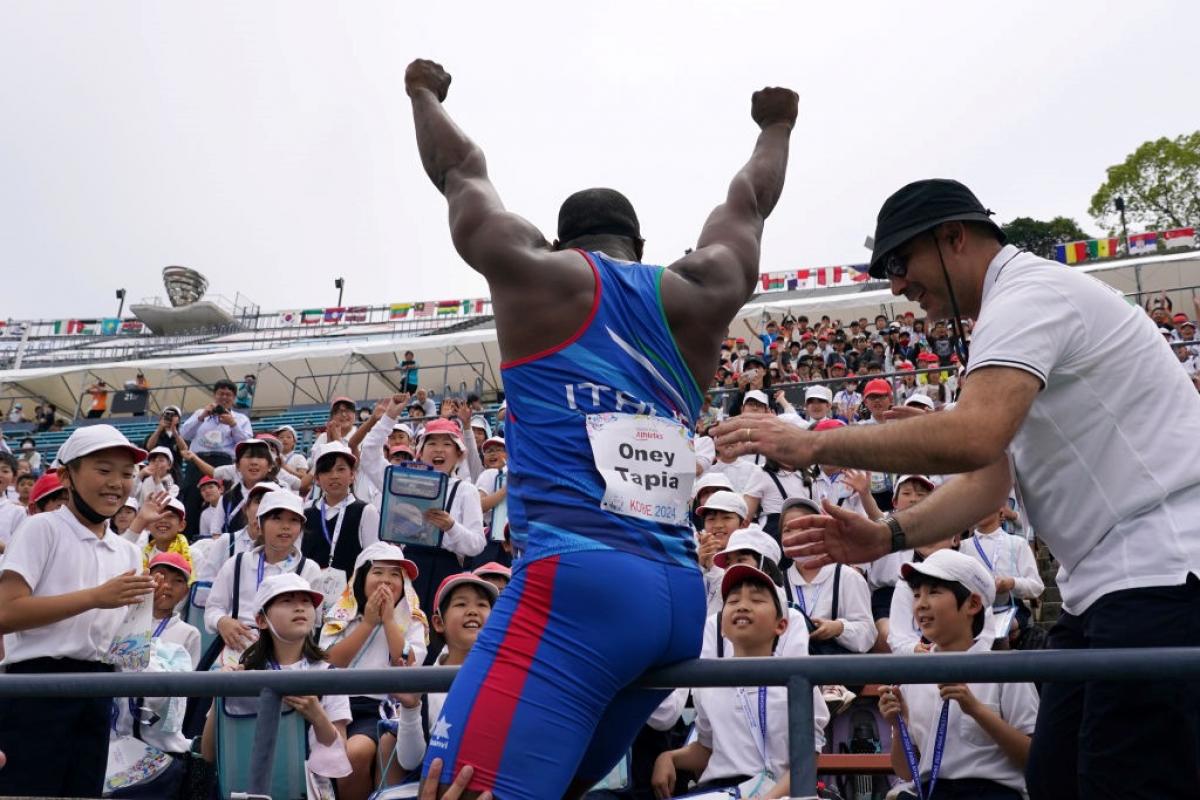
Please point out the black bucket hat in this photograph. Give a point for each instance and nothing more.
(921, 206)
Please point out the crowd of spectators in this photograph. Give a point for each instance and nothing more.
(288, 545)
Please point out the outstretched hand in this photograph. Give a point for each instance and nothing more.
(777, 439)
(837, 536)
(425, 74)
(774, 105)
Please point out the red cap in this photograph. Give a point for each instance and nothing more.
(1180, 317)
(877, 386)
(207, 479)
(45, 486)
(804, 337)
(829, 425)
(451, 581)
(928, 358)
(401, 448)
(740, 340)
(174, 561)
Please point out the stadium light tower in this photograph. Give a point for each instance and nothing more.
(340, 285)
(1119, 203)
(121, 306)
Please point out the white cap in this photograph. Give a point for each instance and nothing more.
(281, 500)
(725, 501)
(925, 479)
(266, 486)
(335, 449)
(132, 502)
(404, 427)
(811, 506)
(287, 428)
(482, 424)
(94, 438)
(818, 392)
(276, 585)
(754, 538)
(951, 565)
(176, 505)
(163, 451)
(386, 551)
(495, 440)
(178, 411)
(710, 480)
(244, 443)
(920, 399)
(756, 396)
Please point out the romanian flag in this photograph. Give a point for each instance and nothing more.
(399, 310)
(312, 316)
(447, 307)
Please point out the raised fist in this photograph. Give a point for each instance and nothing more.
(772, 105)
(425, 74)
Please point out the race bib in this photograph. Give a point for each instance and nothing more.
(648, 464)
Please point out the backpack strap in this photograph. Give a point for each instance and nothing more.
(451, 495)
(300, 566)
(783, 495)
(837, 590)
(237, 585)
(720, 636)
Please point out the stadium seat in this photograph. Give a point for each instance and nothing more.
(236, 718)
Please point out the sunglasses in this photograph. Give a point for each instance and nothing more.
(895, 265)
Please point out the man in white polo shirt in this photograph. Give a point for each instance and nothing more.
(65, 583)
(1057, 365)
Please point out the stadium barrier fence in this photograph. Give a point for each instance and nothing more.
(799, 675)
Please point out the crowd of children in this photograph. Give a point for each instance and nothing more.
(287, 569)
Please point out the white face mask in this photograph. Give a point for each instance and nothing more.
(743, 352)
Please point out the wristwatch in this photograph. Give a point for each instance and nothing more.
(898, 537)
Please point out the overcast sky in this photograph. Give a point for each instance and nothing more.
(269, 145)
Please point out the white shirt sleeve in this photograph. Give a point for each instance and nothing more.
(465, 537)
(372, 462)
(1027, 583)
(220, 596)
(410, 739)
(706, 452)
(854, 608)
(28, 554)
(368, 525)
(668, 712)
(1019, 706)
(704, 732)
(902, 634)
(1027, 326)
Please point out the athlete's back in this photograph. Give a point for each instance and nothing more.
(615, 395)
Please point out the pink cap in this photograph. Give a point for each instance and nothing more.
(174, 561)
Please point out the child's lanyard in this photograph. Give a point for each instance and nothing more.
(939, 746)
(337, 528)
(804, 605)
(273, 664)
(758, 727)
(262, 565)
(991, 567)
(161, 627)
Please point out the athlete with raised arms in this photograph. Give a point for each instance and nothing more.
(604, 360)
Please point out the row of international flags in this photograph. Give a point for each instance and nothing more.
(336, 315)
(814, 278)
(1139, 244)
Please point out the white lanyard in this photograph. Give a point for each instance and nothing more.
(337, 526)
(757, 725)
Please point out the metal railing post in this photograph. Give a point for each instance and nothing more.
(802, 747)
(266, 731)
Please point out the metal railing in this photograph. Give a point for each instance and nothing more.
(799, 675)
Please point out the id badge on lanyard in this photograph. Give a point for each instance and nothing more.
(762, 782)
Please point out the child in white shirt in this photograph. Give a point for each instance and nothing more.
(1011, 562)
(212, 517)
(980, 732)
(741, 733)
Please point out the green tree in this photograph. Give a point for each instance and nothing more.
(1038, 236)
(1160, 182)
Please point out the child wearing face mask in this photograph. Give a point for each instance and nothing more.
(285, 611)
(229, 612)
(377, 624)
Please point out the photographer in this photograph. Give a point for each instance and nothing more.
(213, 432)
(167, 435)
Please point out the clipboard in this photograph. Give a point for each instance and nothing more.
(409, 490)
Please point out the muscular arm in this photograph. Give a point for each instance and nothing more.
(486, 235)
(957, 504)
